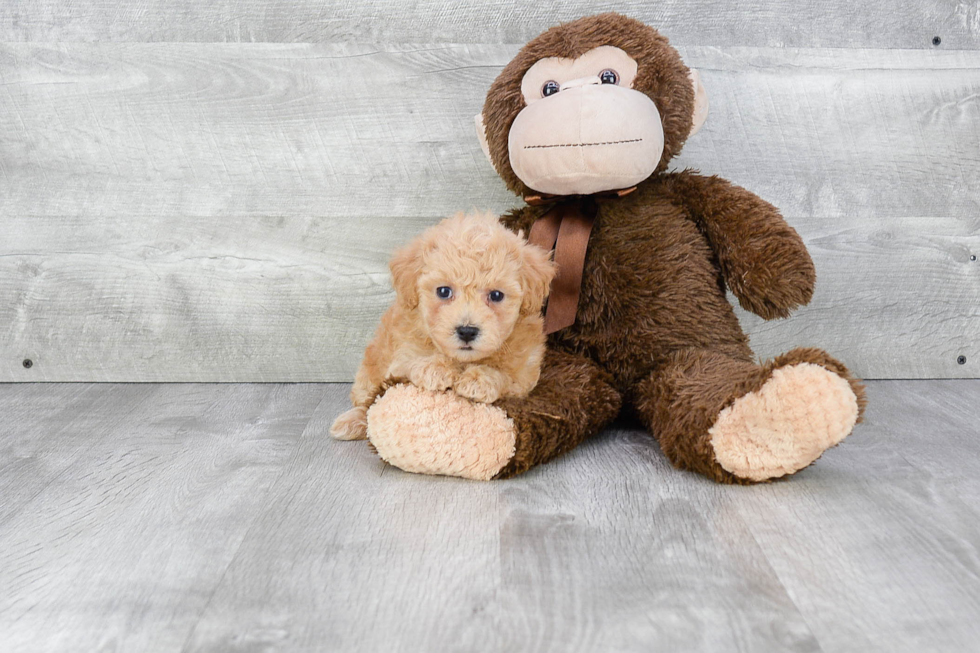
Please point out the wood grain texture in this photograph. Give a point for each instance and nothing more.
(892, 519)
(120, 550)
(121, 131)
(194, 300)
(224, 518)
(201, 212)
(888, 24)
(23, 473)
(293, 299)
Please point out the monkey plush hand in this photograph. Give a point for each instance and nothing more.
(582, 124)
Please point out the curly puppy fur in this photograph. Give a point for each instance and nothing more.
(496, 284)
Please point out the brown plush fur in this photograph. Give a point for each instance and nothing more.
(417, 339)
(654, 329)
(573, 400)
(682, 400)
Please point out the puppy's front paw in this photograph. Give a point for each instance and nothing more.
(480, 383)
(352, 425)
(432, 374)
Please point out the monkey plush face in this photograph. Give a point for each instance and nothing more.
(584, 128)
(598, 104)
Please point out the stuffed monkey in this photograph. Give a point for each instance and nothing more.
(582, 124)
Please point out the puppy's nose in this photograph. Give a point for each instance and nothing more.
(467, 333)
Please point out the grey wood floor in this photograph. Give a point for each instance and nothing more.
(223, 518)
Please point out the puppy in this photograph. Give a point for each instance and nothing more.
(467, 317)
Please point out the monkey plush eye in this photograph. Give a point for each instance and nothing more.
(550, 88)
(444, 292)
(608, 76)
(496, 296)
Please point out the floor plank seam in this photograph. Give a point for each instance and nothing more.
(782, 583)
(255, 519)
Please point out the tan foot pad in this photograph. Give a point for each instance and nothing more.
(440, 433)
(800, 412)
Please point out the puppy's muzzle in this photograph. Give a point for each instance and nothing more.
(467, 333)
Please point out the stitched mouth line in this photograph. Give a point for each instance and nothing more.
(541, 147)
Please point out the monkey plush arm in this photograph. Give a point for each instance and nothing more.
(763, 259)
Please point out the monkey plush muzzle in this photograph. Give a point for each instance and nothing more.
(587, 138)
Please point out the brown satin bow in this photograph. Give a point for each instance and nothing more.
(566, 227)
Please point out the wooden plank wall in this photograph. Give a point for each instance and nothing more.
(209, 191)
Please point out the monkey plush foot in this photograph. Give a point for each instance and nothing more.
(440, 433)
(801, 411)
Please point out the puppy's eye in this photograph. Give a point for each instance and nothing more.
(550, 88)
(608, 76)
(444, 292)
(496, 296)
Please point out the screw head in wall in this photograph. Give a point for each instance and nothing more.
(961, 360)
(28, 363)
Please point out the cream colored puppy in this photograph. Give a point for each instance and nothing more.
(467, 317)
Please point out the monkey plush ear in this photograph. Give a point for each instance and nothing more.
(481, 133)
(700, 102)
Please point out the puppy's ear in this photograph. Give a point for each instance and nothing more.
(406, 266)
(536, 275)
